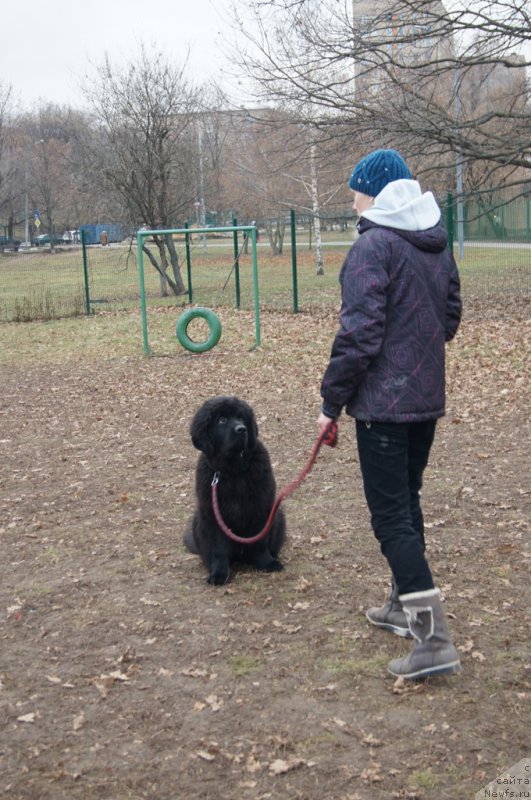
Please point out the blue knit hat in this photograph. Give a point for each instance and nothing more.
(375, 171)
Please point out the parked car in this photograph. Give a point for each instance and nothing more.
(46, 238)
(71, 236)
(6, 243)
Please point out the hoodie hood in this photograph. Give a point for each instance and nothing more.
(402, 206)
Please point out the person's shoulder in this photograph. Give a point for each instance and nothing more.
(369, 230)
(373, 236)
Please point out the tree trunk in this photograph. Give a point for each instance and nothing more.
(176, 269)
(275, 233)
(319, 263)
(165, 279)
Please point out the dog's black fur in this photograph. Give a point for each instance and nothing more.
(225, 430)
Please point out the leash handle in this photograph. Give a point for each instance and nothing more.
(331, 434)
(328, 437)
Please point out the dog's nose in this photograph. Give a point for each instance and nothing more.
(240, 429)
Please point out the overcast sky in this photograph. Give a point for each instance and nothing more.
(47, 46)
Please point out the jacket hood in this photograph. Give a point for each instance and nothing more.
(402, 206)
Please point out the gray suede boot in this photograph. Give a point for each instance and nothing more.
(433, 652)
(391, 616)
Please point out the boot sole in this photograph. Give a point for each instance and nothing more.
(442, 669)
(405, 633)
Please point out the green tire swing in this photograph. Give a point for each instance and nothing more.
(214, 326)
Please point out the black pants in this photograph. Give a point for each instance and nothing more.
(393, 457)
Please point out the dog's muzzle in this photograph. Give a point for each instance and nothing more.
(240, 435)
(240, 432)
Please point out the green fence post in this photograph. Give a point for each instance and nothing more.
(258, 339)
(188, 263)
(450, 220)
(236, 262)
(85, 272)
(294, 263)
(143, 309)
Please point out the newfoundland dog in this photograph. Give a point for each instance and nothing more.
(225, 430)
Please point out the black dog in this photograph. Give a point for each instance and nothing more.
(225, 430)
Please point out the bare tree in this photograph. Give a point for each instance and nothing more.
(214, 127)
(436, 80)
(47, 158)
(255, 185)
(314, 167)
(278, 161)
(143, 148)
(7, 188)
(45, 169)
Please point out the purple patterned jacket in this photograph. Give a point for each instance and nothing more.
(400, 304)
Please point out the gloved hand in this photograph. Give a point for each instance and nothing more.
(329, 425)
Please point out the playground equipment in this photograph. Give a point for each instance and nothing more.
(250, 230)
(214, 325)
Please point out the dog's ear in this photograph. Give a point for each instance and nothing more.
(200, 430)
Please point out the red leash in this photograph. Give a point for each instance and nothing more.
(328, 436)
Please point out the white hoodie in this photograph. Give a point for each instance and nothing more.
(402, 205)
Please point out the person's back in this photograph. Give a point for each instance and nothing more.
(400, 303)
(400, 294)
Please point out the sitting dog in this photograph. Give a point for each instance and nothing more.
(225, 430)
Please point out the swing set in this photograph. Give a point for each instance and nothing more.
(211, 319)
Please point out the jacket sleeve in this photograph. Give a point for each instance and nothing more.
(453, 303)
(364, 282)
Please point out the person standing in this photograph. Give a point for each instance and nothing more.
(400, 303)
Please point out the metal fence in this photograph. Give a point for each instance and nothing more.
(70, 280)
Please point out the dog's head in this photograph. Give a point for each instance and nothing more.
(225, 430)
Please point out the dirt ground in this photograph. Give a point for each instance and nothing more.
(124, 675)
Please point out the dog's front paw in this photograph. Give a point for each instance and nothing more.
(218, 577)
(275, 566)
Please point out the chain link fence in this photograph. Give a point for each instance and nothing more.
(70, 279)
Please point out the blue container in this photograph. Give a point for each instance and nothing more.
(115, 232)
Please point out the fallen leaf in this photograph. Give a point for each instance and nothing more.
(287, 628)
(145, 601)
(280, 767)
(214, 702)
(372, 774)
(206, 756)
(27, 717)
(402, 686)
(193, 672)
(252, 765)
(118, 676)
(128, 655)
(372, 741)
(79, 721)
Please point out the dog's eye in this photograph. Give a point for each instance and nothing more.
(222, 420)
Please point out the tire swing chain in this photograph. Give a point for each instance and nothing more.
(328, 436)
